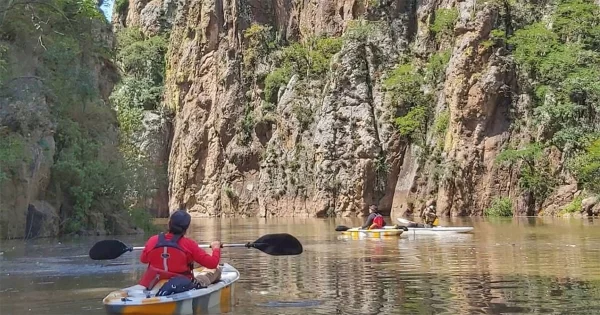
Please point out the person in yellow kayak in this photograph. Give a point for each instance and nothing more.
(172, 255)
(374, 220)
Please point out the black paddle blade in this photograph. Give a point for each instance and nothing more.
(402, 227)
(341, 228)
(282, 244)
(108, 249)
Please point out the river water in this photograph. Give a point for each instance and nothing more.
(508, 266)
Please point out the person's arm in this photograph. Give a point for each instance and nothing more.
(369, 221)
(203, 258)
(149, 246)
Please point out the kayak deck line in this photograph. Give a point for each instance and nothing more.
(433, 230)
(374, 233)
(134, 300)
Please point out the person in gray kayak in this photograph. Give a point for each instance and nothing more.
(429, 217)
(374, 220)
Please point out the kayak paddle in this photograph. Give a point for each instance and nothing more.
(281, 244)
(342, 228)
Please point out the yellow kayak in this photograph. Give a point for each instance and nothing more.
(375, 233)
(134, 300)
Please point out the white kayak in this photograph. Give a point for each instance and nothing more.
(432, 230)
(134, 300)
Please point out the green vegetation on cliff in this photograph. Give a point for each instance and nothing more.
(500, 207)
(408, 86)
(308, 59)
(562, 65)
(443, 23)
(535, 176)
(12, 154)
(63, 44)
(142, 59)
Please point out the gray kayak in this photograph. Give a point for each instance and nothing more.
(435, 230)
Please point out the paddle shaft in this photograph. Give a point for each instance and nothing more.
(202, 246)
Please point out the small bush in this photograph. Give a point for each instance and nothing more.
(122, 6)
(142, 219)
(229, 193)
(303, 114)
(259, 42)
(404, 83)
(535, 175)
(13, 153)
(361, 30)
(274, 81)
(436, 66)
(574, 206)
(247, 127)
(586, 167)
(500, 207)
(413, 123)
(440, 126)
(3, 64)
(443, 24)
(143, 57)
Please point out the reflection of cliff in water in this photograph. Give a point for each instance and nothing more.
(365, 286)
(515, 269)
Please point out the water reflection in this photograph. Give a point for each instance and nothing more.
(525, 265)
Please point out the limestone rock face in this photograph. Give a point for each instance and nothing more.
(27, 112)
(153, 140)
(330, 146)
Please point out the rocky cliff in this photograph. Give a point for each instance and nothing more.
(60, 167)
(304, 108)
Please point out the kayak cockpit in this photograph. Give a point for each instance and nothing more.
(138, 300)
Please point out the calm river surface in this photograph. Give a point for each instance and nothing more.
(512, 266)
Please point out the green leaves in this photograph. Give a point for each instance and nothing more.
(443, 24)
(586, 166)
(310, 59)
(405, 84)
(413, 123)
(142, 57)
(532, 44)
(274, 81)
(530, 154)
(578, 21)
(565, 67)
(500, 207)
(535, 174)
(13, 154)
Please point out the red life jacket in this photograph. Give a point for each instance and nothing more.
(166, 260)
(378, 220)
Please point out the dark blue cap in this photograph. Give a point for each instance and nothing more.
(181, 219)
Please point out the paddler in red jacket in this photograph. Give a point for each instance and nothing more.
(374, 220)
(172, 254)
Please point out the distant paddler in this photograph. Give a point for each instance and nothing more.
(374, 220)
(429, 218)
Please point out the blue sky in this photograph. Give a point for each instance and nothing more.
(107, 8)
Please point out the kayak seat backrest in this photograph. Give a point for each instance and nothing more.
(153, 275)
(176, 285)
